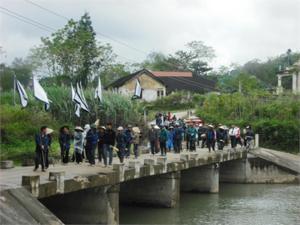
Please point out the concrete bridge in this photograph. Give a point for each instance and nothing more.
(80, 194)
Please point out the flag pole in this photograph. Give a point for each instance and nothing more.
(14, 87)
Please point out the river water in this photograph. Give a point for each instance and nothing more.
(235, 204)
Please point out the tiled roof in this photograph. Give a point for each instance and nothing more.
(171, 74)
(173, 83)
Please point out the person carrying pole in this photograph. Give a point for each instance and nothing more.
(42, 143)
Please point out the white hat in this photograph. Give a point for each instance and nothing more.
(87, 127)
(210, 125)
(49, 130)
(102, 127)
(120, 128)
(78, 128)
(136, 130)
(156, 127)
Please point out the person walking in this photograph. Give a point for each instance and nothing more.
(238, 137)
(87, 127)
(109, 142)
(136, 140)
(121, 143)
(163, 136)
(101, 150)
(153, 137)
(177, 138)
(202, 135)
(42, 143)
(65, 143)
(249, 137)
(232, 136)
(128, 136)
(221, 137)
(170, 140)
(191, 134)
(211, 138)
(78, 144)
(91, 144)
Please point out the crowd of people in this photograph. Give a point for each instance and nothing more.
(166, 134)
(86, 141)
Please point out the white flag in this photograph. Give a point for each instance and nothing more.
(98, 91)
(22, 94)
(77, 109)
(76, 99)
(40, 93)
(82, 95)
(79, 98)
(138, 90)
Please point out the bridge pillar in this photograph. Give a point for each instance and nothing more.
(161, 190)
(200, 179)
(90, 206)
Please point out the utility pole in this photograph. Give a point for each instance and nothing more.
(240, 86)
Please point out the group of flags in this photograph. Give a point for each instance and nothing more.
(77, 95)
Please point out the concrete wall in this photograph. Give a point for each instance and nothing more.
(19, 206)
(150, 87)
(255, 170)
(162, 190)
(200, 179)
(89, 206)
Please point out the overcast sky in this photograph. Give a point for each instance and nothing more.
(238, 30)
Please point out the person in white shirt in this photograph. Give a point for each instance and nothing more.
(232, 135)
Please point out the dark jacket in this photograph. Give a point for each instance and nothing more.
(42, 142)
(178, 131)
(153, 135)
(221, 134)
(121, 141)
(65, 140)
(109, 137)
(91, 138)
(101, 138)
(128, 136)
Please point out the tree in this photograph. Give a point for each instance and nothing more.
(194, 58)
(243, 82)
(72, 53)
(19, 67)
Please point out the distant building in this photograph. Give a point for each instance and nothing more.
(157, 84)
(294, 72)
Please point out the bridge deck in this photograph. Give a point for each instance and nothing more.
(12, 178)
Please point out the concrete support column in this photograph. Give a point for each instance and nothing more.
(161, 190)
(256, 142)
(200, 179)
(89, 206)
(233, 171)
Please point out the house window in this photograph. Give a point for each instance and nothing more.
(160, 93)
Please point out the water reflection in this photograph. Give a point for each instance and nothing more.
(236, 204)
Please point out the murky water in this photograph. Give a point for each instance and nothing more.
(236, 204)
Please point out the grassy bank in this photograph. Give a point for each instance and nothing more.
(18, 126)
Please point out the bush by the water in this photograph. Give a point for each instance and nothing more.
(275, 118)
